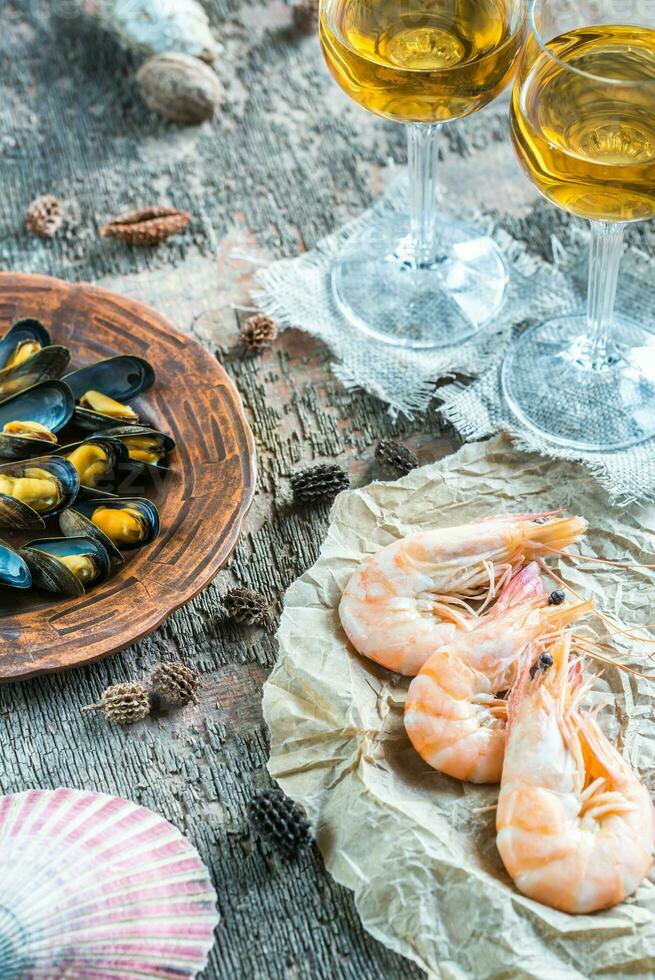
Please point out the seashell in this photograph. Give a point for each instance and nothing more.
(95, 459)
(49, 404)
(121, 378)
(95, 886)
(66, 565)
(34, 489)
(158, 26)
(25, 330)
(13, 572)
(119, 523)
(180, 88)
(143, 444)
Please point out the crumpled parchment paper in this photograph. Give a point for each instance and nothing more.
(415, 846)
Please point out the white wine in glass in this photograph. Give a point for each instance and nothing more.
(421, 280)
(583, 124)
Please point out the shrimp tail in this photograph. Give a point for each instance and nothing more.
(554, 535)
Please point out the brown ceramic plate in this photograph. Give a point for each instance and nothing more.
(202, 500)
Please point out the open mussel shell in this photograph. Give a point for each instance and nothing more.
(13, 569)
(130, 434)
(79, 519)
(21, 331)
(16, 513)
(122, 377)
(46, 365)
(50, 403)
(117, 456)
(46, 559)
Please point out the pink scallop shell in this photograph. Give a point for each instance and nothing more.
(94, 887)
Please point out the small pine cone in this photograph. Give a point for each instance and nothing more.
(245, 606)
(123, 704)
(175, 683)
(305, 15)
(281, 820)
(258, 332)
(44, 216)
(393, 457)
(322, 482)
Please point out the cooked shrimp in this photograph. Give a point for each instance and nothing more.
(410, 598)
(452, 715)
(575, 824)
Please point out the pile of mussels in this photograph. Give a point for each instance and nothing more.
(75, 482)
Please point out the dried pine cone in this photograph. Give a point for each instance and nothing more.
(305, 15)
(258, 332)
(282, 821)
(322, 482)
(174, 682)
(148, 226)
(123, 704)
(44, 216)
(245, 606)
(395, 458)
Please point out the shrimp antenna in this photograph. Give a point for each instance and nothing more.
(615, 628)
(593, 648)
(600, 561)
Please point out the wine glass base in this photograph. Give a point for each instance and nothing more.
(380, 288)
(558, 384)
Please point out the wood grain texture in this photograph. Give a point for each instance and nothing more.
(287, 160)
(202, 499)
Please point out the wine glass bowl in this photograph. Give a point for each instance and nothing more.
(420, 280)
(421, 62)
(583, 126)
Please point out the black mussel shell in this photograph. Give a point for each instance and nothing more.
(51, 403)
(20, 516)
(43, 556)
(13, 569)
(122, 432)
(18, 333)
(46, 365)
(116, 451)
(77, 520)
(122, 377)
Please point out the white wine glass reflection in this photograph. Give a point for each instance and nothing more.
(423, 279)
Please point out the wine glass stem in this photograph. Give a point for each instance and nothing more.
(604, 261)
(422, 157)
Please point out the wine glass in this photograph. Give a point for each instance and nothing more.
(583, 125)
(422, 280)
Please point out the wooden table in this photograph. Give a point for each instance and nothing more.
(289, 158)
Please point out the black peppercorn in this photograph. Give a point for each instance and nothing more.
(557, 597)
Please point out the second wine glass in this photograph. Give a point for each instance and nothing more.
(421, 280)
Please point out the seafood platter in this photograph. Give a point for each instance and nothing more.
(127, 467)
(497, 696)
(463, 703)
(70, 443)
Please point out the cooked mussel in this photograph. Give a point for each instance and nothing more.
(119, 523)
(66, 565)
(33, 489)
(23, 339)
(45, 365)
(95, 459)
(29, 421)
(13, 569)
(102, 389)
(144, 445)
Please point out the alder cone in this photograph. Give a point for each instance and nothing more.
(180, 88)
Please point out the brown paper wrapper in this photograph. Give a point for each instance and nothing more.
(416, 847)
